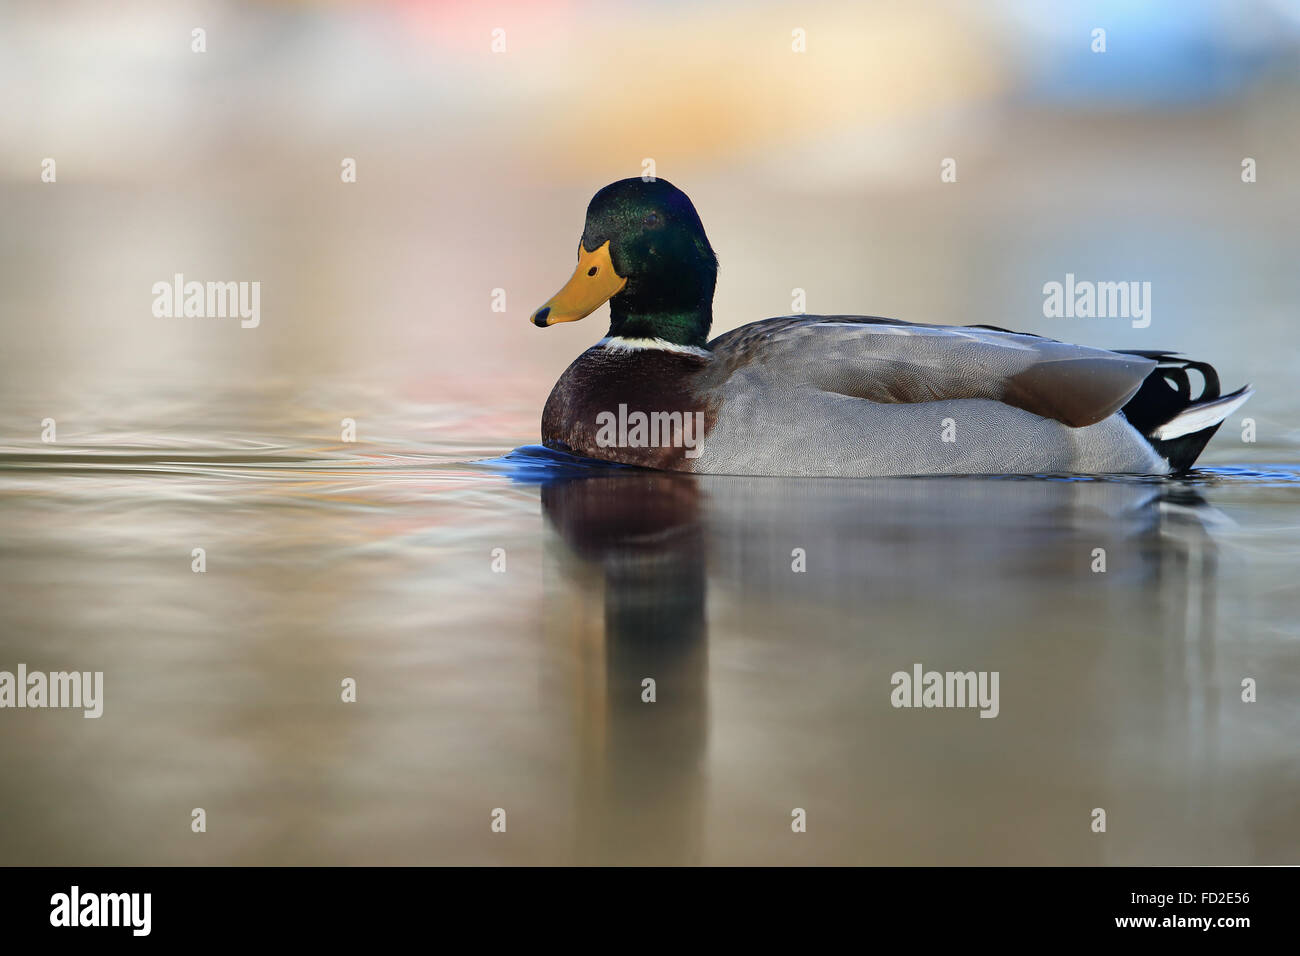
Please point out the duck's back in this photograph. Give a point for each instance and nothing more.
(862, 396)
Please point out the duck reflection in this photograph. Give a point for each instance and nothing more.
(639, 757)
(1045, 580)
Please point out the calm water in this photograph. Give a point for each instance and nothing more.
(521, 689)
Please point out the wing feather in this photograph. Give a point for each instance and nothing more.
(898, 362)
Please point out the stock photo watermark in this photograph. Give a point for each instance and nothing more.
(76, 909)
(59, 690)
(208, 300)
(947, 689)
(651, 430)
(1075, 299)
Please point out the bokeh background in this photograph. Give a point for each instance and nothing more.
(815, 170)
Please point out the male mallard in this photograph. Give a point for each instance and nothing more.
(838, 395)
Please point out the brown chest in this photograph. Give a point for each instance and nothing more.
(636, 407)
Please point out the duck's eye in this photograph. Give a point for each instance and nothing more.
(651, 219)
(593, 270)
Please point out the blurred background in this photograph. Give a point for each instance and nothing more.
(815, 170)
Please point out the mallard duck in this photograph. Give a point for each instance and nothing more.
(839, 395)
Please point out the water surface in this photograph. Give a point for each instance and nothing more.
(522, 688)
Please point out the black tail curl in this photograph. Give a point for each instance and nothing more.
(1166, 394)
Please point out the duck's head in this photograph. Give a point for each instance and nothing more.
(645, 252)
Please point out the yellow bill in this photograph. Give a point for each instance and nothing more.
(593, 283)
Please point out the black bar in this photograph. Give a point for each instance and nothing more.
(975, 904)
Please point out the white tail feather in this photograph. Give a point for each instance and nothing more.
(1196, 417)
